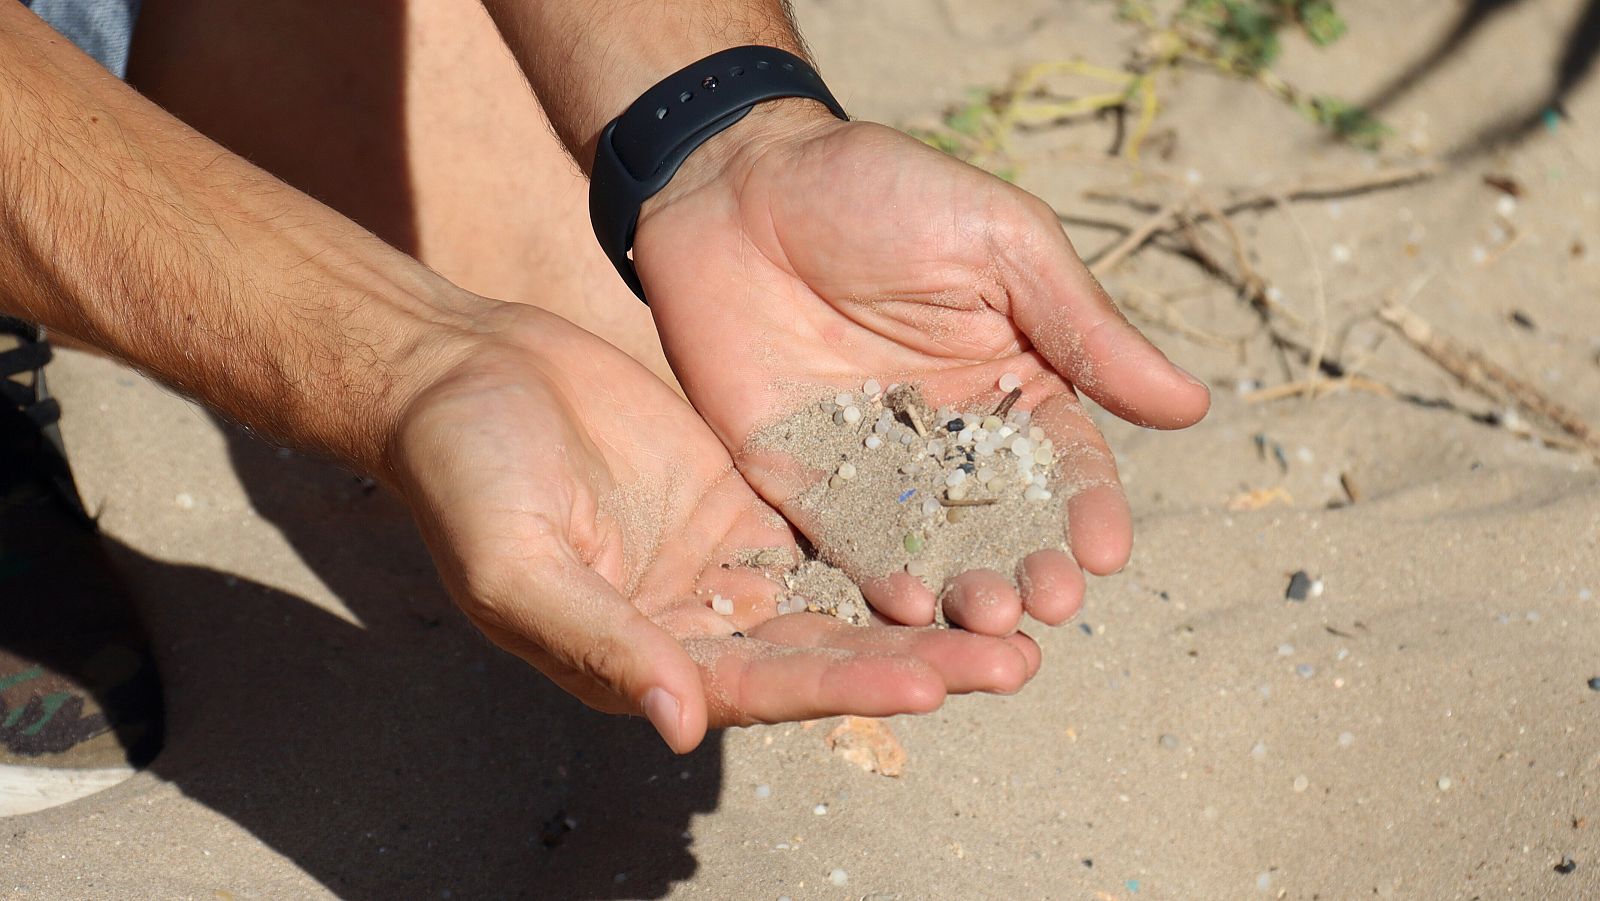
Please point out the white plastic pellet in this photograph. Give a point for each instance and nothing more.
(1005, 432)
(936, 447)
(956, 492)
(847, 470)
(881, 427)
(980, 434)
(1042, 456)
(930, 506)
(955, 478)
(992, 423)
(965, 436)
(838, 877)
(871, 388)
(873, 442)
(852, 414)
(917, 569)
(1010, 382)
(838, 417)
(984, 473)
(1023, 448)
(1036, 433)
(995, 485)
(721, 606)
(1035, 493)
(907, 437)
(844, 399)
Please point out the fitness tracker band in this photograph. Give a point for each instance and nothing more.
(640, 150)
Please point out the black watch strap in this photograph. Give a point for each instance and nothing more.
(640, 150)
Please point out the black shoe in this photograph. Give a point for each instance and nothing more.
(80, 701)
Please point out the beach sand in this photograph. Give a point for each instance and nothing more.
(1420, 727)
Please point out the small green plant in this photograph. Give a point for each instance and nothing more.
(1238, 37)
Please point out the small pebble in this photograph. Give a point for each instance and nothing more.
(838, 417)
(1594, 684)
(1010, 382)
(913, 543)
(1299, 586)
(838, 877)
(847, 470)
(955, 514)
(1301, 783)
(955, 426)
(835, 482)
(871, 388)
(1567, 865)
(851, 414)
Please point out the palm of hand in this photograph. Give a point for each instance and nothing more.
(583, 516)
(855, 253)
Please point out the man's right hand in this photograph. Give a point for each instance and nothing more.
(583, 516)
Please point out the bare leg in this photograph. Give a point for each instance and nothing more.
(411, 117)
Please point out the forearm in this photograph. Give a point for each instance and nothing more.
(588, 59)
(129, 231)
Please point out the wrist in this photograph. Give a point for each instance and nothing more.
(770, 126)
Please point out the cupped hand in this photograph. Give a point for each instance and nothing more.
(584, 517)
(797, 250)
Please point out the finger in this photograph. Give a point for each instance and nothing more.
(1029, 649)
(1072, 321)
(1052, 586)
(751, 680)
(982, 601)
(567, 616)
(1100, 525)
(964, 661)
(902, 598)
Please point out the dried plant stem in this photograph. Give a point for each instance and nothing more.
(1477, 372)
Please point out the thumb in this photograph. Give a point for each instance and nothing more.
(577, 629)
(1071, 320)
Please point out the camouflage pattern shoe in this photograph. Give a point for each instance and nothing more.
(80, 701)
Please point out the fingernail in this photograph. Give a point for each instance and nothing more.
(1188, 375)
(663, 710)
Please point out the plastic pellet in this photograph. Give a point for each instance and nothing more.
(835, 482)
(1035, 493)
(913, 543)
(1042, 456)
(1010, 382)
(1023, 448)
(917, 569)
(955, 478)
(852, 414)
(721, 606)
(847, 470)
(838, 417)
(871, 388)
(930, 506)
(993, 423)
(955, 514)
(844, 399)
(873, 442)
(1036, 433)
(957, 492)
(984, 473)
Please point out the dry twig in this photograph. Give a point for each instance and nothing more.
(1477, 372)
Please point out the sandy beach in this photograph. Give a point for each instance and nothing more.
(1420, 725)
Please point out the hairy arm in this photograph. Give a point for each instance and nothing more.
(122, 227)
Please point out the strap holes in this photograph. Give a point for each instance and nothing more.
(736, 71)
(685, 97)
(763, 65)
(661, 112)
(788, 67)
